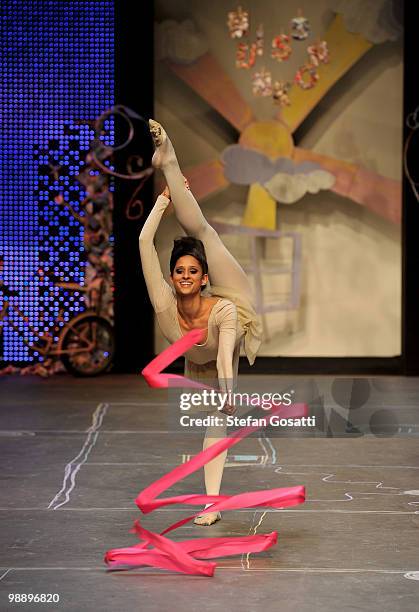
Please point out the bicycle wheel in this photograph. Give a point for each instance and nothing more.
(90, 345)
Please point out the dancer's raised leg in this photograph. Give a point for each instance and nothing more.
(224, 270)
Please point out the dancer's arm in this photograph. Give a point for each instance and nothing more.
(159, 290)
(226, 320)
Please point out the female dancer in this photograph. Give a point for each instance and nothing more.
(228, 315)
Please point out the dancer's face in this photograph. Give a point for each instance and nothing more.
(187, 277)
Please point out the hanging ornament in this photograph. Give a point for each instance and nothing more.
(281, 48)
(259, 40)
(245, 55)
(280, 91)
(306, 76)
(318, 53)
(238, 23)
(262, 83)
(300, 26)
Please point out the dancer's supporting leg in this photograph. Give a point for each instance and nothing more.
(224, 270)
(213, 472)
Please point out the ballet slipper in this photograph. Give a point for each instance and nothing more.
(205, 520)
(164, 153)
(157, 132)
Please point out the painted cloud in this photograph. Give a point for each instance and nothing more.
(376, 20)
(286, 181)
(179, 42)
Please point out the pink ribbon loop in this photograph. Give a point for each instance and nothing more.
(156, 550)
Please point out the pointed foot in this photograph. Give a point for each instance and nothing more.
(207, 519)
(164, 154)
(157, 132)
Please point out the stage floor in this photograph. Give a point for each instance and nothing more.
(75, 454)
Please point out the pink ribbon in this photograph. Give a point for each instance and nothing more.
(156, 550)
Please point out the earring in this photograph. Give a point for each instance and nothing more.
(281, 48)
(238, 23)
(300, 26)
(306, 76)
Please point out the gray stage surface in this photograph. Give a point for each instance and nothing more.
(75, 454)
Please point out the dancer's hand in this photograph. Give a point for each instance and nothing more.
(166, 192)
(228, 409)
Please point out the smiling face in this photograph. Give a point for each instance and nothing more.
(187, 276)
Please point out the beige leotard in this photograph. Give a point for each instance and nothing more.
(231, 319)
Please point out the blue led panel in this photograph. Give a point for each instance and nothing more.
(57, 76)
